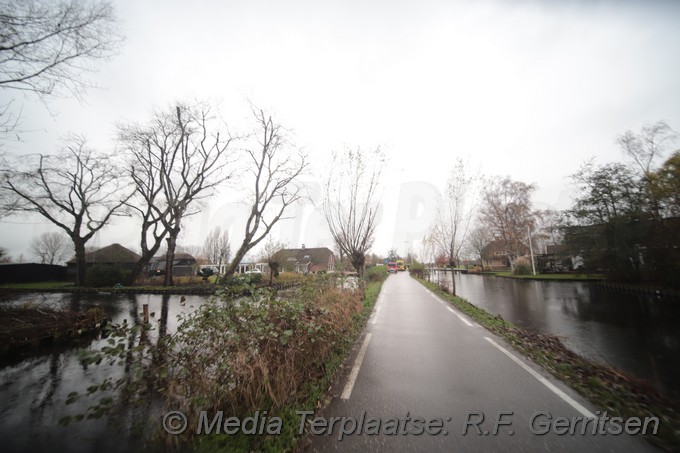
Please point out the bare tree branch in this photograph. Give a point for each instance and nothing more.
(455, 213)
(217, 247)
(175, 162)
(506, 213)
(51, 248)
(351, 202)
(275, 166)
(76, 190)
(47, 47)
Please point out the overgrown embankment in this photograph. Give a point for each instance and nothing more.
(242, 356)
(25, 327)
(609, 389)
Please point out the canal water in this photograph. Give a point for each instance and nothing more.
(638, 333)
(34, 386)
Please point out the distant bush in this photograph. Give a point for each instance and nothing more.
(475, 270)
(253, 279)
(417, 270)
(104, 275)
(522, 266)
(243, 280)
(376, 274)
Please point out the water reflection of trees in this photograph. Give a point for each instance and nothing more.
(633, 331)
(35, 384)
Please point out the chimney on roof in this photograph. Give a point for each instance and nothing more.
(303, 246)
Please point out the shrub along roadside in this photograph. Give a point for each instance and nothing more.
(294, 375)
(376, 274)
(242, 356)
(609, 389)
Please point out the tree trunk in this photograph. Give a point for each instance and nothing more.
(273, 267)
(142, 263)
(81, 264)
(358, 261)
(137, 269)
(234, 264)
(170, 257)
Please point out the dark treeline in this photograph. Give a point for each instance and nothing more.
(625, 221)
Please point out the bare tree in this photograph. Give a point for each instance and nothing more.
(274, 166)
(51, 248)
(454, 215)
(175, 161)
(506, 213)
(76, 190)
(647, 146)
(217, 247)
(644, 149)
(46, 47)
(550, 225)
(4, 257)
(350, 202)
(271, 256)
(478, 239)
(428, 249)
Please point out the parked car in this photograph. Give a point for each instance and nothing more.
(254, 271)
(392, 267)
(208, 270)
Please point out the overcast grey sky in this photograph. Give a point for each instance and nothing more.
(522, 88)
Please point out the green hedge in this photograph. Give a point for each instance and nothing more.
(376, 274)
(104, 275)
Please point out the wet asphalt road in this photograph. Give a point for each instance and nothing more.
(426, 378)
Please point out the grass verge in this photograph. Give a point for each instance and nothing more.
(609, 389)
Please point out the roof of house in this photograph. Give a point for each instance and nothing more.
(178, 256)
(497, 248)
(305, 255)
(114, 253)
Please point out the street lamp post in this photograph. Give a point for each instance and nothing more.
(531, 250)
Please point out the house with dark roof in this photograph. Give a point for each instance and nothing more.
(183, 265)
(306, 260)
(114, 254)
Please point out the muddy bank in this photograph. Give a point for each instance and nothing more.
(33, 327)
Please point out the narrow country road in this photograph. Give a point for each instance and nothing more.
(424, 376)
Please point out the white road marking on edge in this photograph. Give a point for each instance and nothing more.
(469, 324)
(347, 391)
(566, 398)
(375, 315)
(464, 320)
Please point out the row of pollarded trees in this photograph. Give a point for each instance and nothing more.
(166, 168)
